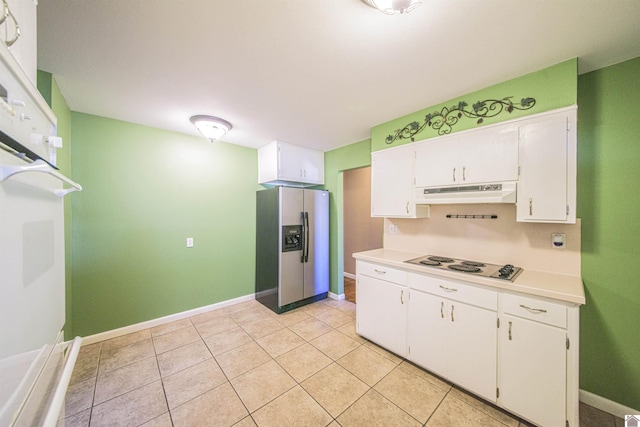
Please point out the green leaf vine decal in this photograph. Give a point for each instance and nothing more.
(443, 121)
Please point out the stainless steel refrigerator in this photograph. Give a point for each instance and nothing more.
(292, 247)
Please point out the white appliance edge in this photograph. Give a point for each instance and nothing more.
(35, 365)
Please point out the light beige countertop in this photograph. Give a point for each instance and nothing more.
(560, 287)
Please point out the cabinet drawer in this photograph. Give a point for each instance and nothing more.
(534, 309)
(454, 291)
(381, 272)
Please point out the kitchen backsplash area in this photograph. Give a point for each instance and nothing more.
(499, 240)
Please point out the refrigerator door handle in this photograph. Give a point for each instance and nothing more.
(306, 237)
(303, 236)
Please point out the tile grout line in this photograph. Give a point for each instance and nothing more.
(95, 384)
(437, 406)
(299, 384)
(389, 400)
(164, 391)
(372, 346)
(152, 338)
(254, 340)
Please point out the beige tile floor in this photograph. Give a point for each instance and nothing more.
(243, 365)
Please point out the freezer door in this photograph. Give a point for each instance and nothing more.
(291, 267)
(316, 242)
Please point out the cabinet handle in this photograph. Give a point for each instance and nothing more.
(442, 309)
(401, 297)
(464, 173)
(380, 271)
(452, 307)
(444, 288)
(454, 174)
(530, 206)
(510, 325)
(407, 207)
(533, 310)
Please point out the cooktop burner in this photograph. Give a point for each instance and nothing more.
(473, 263)
(465, 267)
(440, 259)
(430, 262)
(503, 272)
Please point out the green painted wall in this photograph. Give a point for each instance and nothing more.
(552, 87)
(608, 172)
(145, 191)
(335, 162)
(44, 82)
(51, 93)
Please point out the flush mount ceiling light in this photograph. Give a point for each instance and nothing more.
(212, 127)
(392, 7)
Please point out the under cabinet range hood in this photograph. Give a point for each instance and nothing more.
(478, 193)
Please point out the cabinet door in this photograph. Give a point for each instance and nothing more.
(312, 162)
(532, 370)
(455, 340)
(427, 324)
(473, 157)
(542, 187)
(381, 313)
(436, 162)
(300, 164)
(290, 162)
(488, 155)
(392, 183)
(472, 348)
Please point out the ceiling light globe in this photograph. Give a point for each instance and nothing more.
(211, 127)
(392, 7)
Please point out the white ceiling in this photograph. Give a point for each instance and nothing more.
(316, 73)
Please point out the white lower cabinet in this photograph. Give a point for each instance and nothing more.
(381, 312)
(532, 365)
(454, 340)
(517, 351)
(532, 370)
(428, 333)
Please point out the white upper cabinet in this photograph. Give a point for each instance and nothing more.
(480, 156)
(392, 184)
(23, 44)
(547, 182)
(286, 164)
(536, 154)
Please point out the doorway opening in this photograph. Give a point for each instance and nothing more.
(361, 231)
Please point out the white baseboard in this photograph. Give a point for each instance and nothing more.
(349, 275)
(162, 320)
(606, 405)
(336, 296)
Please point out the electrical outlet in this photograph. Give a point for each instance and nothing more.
(558, 240)
(393, 229)
(189, 242)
